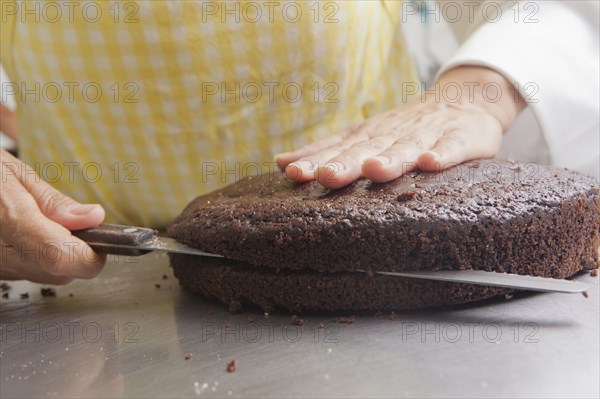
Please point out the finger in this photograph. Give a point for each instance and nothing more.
(40, 241)
(305, 169)
(398, 159)
(459, 146)
(58, 253)
(14, 268)
(59, 207)
(285, 158)
(345, 168)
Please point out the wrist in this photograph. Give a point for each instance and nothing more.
(487, 89)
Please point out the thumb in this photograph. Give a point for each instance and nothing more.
(71, 214)
(61, 208)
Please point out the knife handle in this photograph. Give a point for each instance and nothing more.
(116, 239)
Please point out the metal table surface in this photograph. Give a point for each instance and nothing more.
(120, 336)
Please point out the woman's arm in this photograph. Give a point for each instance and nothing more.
(8, 124)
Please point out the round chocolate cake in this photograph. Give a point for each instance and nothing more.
(302, 247)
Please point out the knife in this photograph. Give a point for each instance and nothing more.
(135, 241)
(132, 241)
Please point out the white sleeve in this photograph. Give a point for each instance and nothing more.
(550, 50)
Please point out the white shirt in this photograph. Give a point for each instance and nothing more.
(550, 49)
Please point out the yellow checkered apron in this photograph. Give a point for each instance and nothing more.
(143, 105)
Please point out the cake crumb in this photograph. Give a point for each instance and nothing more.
(227, 325)
(231, 366)
(25, 295)
(250, 319)
(71, 295)
(5, 295)
(345, 320)
(594, 273)
(585, 294)
(508, 296)
(296, 321)
(393, 316)
(48, 292)
(406, 196)
(5, 287)
(188, 356)
(156, 285)
(320, 326)
(165, 277)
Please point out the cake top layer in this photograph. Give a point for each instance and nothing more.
(495, 189)
(493, 215)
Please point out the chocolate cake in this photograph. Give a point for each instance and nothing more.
(303, 247)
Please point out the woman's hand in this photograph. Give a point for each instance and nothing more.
(429, 135)
(35, 220)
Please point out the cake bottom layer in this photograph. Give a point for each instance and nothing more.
(239, 284)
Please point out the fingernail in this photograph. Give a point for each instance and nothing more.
(435, 155)
(84, 209)
(297, 170)
(304, 166)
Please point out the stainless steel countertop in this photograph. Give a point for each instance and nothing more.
(120, 336)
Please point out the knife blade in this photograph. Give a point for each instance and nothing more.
(495, 279)
(134, 241)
